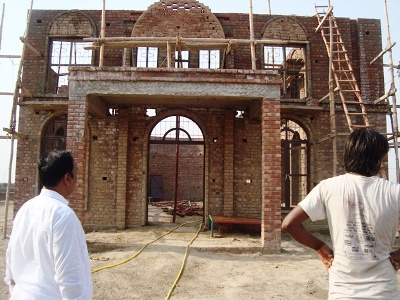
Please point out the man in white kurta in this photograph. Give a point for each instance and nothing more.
(47, 256)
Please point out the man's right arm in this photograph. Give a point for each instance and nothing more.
(293, 224)
(9, 278)
(71, 273)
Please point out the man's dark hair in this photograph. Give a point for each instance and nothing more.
(364, 150)
(53, 165)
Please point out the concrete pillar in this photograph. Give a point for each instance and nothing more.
(271, 175)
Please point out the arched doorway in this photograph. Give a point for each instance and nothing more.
(176, 170)
(295, 163)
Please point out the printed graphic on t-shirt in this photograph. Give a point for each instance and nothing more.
(359, 235)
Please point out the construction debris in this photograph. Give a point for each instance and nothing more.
(183, 207)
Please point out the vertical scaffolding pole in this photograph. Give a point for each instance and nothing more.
(102, 33)
(169, 64)
(394, 123)
(252, 45)
(1, 26)
(332, 99)
(13, 123)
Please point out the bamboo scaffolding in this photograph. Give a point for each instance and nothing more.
(1, 25)
(10, 56)
(332, 110)
(391, 93)
(269, 7)
(394, 120)
(102, 33)
(13, 122)
(252, 44)
(205, 41)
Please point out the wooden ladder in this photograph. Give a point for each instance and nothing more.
(346, 83)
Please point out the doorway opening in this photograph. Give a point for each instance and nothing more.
(175, 190)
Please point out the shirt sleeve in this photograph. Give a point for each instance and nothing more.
(71, 258)
(313, 204)
(9, 277)
(398, 199)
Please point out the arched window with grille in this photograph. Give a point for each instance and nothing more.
(55, 134)
(295, 163)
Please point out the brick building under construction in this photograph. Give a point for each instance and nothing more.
(226, 109)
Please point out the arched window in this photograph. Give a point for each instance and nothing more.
(55, 134)
(176, 128)
(67, 48)
(289, 60)
(295, 163)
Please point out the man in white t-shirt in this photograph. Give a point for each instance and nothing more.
(362, 211)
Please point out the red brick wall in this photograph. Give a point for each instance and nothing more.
(249, 178)
(162, 161)
(362, 38)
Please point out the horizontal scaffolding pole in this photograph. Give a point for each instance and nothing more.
(10, 56)
(387, 95)
(383, 52)
(199, 41)
(16, 134)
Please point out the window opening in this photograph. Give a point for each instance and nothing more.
(147, 57)
(209, 59)
(55, 134)
(183, 61)
(289, 63)
(167, 130)
(295, 163)
(113, 111)
(66, 53)
(151, 112)
(239, 114)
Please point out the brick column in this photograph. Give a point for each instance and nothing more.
(371, 76)
(228, 164)
(271, 175)
(123, 120)
(76, 142)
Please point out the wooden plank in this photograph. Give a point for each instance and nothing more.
(218, 219)
(232, 220)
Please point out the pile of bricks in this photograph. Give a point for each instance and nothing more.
(183, 207)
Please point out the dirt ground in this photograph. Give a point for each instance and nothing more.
(227, 267)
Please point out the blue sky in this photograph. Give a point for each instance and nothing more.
(15, 16)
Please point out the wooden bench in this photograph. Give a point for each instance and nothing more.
(220, 219)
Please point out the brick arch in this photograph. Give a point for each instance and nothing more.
(284, 28)
(46, 122)
(73, 23)
(301, 122)
(173, 18)
(174, 112)
(44, 131)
